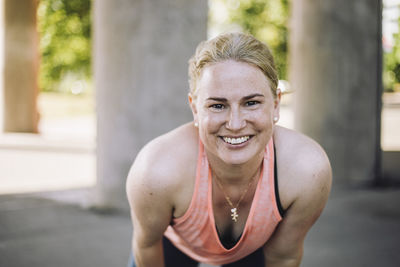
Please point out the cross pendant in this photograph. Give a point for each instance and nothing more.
(234, 214)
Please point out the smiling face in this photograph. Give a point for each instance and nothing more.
(234, 108)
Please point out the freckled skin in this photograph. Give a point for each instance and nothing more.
(222, 109)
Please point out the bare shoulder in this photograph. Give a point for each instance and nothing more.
(164, 161)
(305, 169)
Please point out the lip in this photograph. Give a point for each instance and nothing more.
(236, 137)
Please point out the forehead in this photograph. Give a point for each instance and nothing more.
(229, 77)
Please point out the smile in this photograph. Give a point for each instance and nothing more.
(236, 141)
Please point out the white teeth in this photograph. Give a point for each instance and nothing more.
(236, 141)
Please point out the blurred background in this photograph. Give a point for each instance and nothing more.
(86, 83)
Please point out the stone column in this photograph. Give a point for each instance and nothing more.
(20, 66)
(141, 49)
(335, 68)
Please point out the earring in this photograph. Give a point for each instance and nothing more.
(276, 119)
(196, 124)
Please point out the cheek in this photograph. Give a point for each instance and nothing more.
(211, 122)
(263, 117)
(208, 129)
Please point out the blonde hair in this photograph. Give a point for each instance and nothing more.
(232, 46)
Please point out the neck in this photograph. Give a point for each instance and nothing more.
(236, 174)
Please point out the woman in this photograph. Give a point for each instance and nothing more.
(231, 188)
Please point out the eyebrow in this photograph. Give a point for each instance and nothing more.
(252, 96)
(222, 99)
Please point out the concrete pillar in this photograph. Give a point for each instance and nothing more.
(335, 68)
(141, 49)
(20, 66)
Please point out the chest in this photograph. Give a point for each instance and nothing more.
(229, 223)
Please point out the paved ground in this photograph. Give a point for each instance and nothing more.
(44, 233)
(360, 227)
(34, 163)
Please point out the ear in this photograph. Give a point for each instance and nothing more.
(277, 102)
(277, 99)
(193, 107)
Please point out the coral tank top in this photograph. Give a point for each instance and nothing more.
(195, 233)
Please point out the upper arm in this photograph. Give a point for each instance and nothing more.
(312, 178)
(148, 196)
(156, 182)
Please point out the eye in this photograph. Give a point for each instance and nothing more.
(217, 106)
(251, 103)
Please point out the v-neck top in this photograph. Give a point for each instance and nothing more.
(195, 233)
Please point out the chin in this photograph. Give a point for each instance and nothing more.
(235, 162)
(238, 154)
(237, 157)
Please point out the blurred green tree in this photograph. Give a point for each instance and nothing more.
(391, 65)
(265, 19)
(65, 43)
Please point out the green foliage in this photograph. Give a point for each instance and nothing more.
(65, 42)
(265, 19)
(391, 67)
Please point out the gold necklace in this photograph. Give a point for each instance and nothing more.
(234, 209)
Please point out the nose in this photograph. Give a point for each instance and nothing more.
(236, 120)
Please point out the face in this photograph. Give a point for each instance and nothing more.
(234, 109)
